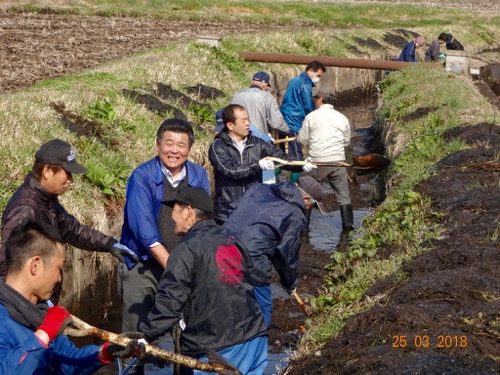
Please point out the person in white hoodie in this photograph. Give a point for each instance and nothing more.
(326, 132)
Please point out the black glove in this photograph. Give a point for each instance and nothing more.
(133, 349)
(290, 291)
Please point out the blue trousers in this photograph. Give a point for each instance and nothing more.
(250, 357)
(263, 296)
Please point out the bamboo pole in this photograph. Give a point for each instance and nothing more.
(84, 329)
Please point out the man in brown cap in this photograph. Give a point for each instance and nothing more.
(37, 200)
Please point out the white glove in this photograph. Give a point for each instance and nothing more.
(308, 167)
(266, 165)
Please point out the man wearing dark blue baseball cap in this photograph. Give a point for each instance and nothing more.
(37, 200)
(206, 287)
(261, 105)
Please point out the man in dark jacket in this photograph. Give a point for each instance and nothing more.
(451, 42)
(37, 200)
(269, 221)
(207, 287)
(239, 158)
(408, 53)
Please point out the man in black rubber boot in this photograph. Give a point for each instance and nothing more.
(326, 132)
(347, 217)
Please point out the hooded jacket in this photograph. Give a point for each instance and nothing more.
(269, 221)
(32, 202)
(234, 172)
(207, 284)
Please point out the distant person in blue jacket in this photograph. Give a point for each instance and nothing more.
(148, 228)
(31, 332)
(297, 103)
(408, 52)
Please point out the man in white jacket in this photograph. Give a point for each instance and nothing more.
(326, 132)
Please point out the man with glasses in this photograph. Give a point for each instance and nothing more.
(238, 159)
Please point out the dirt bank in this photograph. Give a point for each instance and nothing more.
(441, 316)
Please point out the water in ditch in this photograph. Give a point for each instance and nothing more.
(323, 237)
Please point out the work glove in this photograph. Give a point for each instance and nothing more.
(266, 165)
(290, 291)
(135, 348)
(308, 166)
(56, 320)
(118, 251)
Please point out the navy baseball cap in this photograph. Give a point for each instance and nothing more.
(195, 197)
(261, 77)
(59, 152)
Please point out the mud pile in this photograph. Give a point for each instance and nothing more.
(442, 315)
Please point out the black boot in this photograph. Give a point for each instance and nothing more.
(347, 217)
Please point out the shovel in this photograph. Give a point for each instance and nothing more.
(221, 366)
(363, 163)
(306, 309)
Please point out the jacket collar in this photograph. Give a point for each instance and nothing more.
(39, 190)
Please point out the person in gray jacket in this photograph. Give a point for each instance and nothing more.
(261, 105)
(432, 53)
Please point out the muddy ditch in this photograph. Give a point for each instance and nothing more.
(442, 315)
(321, 239)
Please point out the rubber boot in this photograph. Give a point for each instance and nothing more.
(294, 176)
(347, 217)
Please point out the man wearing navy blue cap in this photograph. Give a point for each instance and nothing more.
(207, 287)
(37, 200)
(261, 105)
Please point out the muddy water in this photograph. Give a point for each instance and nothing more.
(321, 239)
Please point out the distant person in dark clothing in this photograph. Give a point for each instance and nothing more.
(451, 42)
(408, 52)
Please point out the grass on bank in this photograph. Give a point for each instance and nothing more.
(306, 13)
(405, 220)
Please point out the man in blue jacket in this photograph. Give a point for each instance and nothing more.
(408, 52)
(31, 340)
(269, 221)
(297, 103)
(148, 228)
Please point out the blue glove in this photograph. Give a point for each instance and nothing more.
(118, 251)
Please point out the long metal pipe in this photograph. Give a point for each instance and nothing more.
(284, 58)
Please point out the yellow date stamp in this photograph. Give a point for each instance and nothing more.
(427, 341)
